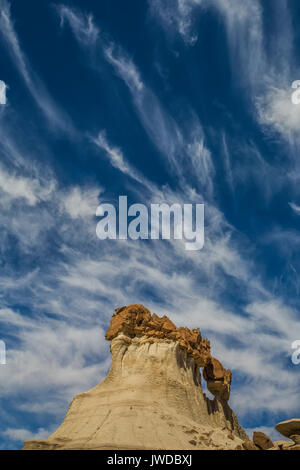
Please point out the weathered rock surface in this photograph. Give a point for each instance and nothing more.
(136, 320)
(262, 441)
(249, 445)
(295, 438)
(289, 427)
(282, 445)
(218, 379)
(152, 397)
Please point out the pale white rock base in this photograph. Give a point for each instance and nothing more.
(151, 399)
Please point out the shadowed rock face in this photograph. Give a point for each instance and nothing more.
(262, 441)
(218, 379)
(152, 397)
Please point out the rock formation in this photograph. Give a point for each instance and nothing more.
(290, 429)
(152, 397)
(262, 441)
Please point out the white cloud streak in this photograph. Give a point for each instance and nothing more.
(114, 154)
(263, 75)
(81, 24)
(80, 202)
(170, 139)
(125, 68)
(176, 143)
(117, 159)
(277, 111)
(55, 116)
(21, 187)
(21, 435)
(177, 15)
(295, 207)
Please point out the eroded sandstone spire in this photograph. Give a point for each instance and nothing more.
(152, 397)
(136, 321)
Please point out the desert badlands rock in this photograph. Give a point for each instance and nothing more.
(152, 397)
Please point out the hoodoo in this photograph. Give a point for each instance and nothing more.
(152, 397)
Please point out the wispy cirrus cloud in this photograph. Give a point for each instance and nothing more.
(277, 111)
(80, 202)
(82, 24)
(124, 66)
(21, 435)
(160, 127)
(55, 116)
(264, 74)
(16, 187)
(115, 154)
(176, 143)
(117, 159)
(263, 64)
(295, 207)
(244, 29)
(177, 15)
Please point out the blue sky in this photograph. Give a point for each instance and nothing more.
(163, 101)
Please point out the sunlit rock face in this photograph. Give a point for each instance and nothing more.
(152, 397)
